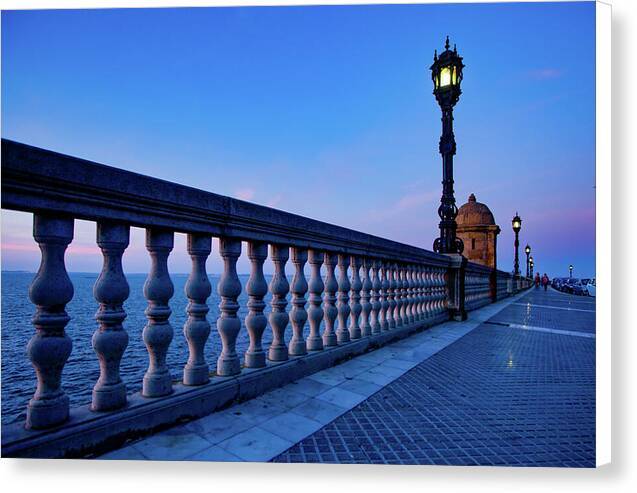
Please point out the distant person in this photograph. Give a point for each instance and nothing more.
(537, 280)
(545, 281)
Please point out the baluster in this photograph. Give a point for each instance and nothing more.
(398, 296)
(197, 328)
(298, 316)
(391, 303)
(439, 290)
(415, 280)
(385, 298)
(255, 321)
(434, 292)
(443, 298)
(315, 312)
(415, 294)
(50, 347)
(228, 324)
(404, 295)
(158, 333)
(428, 295)
(376, 304)
(342, 334)
(279, 318)
(329, 306)
(355, 297)
(421, 292)
(395, 302)
(366, 306)
(410, 295)
(415, 275)
(110, 339)
(445, 294)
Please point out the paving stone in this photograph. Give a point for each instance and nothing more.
(319, 410)
(257, 410)
(173, 444)
(399, 363)
(125, 453)
(374, 357)
(255, 445)
(360, 387)
(291, 426)
(219, 426)
(287, 397)
(377, 377)
(214, 454)
(328, 378)
(309, 387)
(341, 397)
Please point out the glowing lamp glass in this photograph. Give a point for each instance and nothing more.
(445, 77)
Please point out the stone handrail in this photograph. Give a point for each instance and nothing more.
(35, 179)
(375, 290)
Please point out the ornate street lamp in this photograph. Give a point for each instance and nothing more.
(570, 270)
(517, 225)
(527, 250)
(531, 266)
(446, 74)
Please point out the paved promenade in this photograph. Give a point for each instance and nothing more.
(513, 385)
(517, 390)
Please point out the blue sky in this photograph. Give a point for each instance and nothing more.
(321, 111)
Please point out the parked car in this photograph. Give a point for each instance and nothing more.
(558, 283)
(574, 286)
(591, 288)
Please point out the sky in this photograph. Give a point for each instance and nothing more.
(323, 111)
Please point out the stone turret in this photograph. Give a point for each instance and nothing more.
(479, 232)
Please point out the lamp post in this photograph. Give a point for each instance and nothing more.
(446, 74)
(527, 250)
(517, 225)
(570, 270)
(531, 266)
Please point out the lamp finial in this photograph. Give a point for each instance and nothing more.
(447, 43)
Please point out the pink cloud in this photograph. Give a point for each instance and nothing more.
(20, 247)
(33, 247)
(245, 193)
(274, 201)
(546, 73)
(407, 202)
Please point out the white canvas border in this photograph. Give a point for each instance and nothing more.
(100, 477)
(603, 215)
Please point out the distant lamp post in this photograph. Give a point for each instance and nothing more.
(527, 250)
(517, 225)
(446, 74)
(570, 270)
(531, 266)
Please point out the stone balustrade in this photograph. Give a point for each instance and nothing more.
(371, 291)
(477, 285)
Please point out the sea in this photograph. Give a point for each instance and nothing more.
(82, 368)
